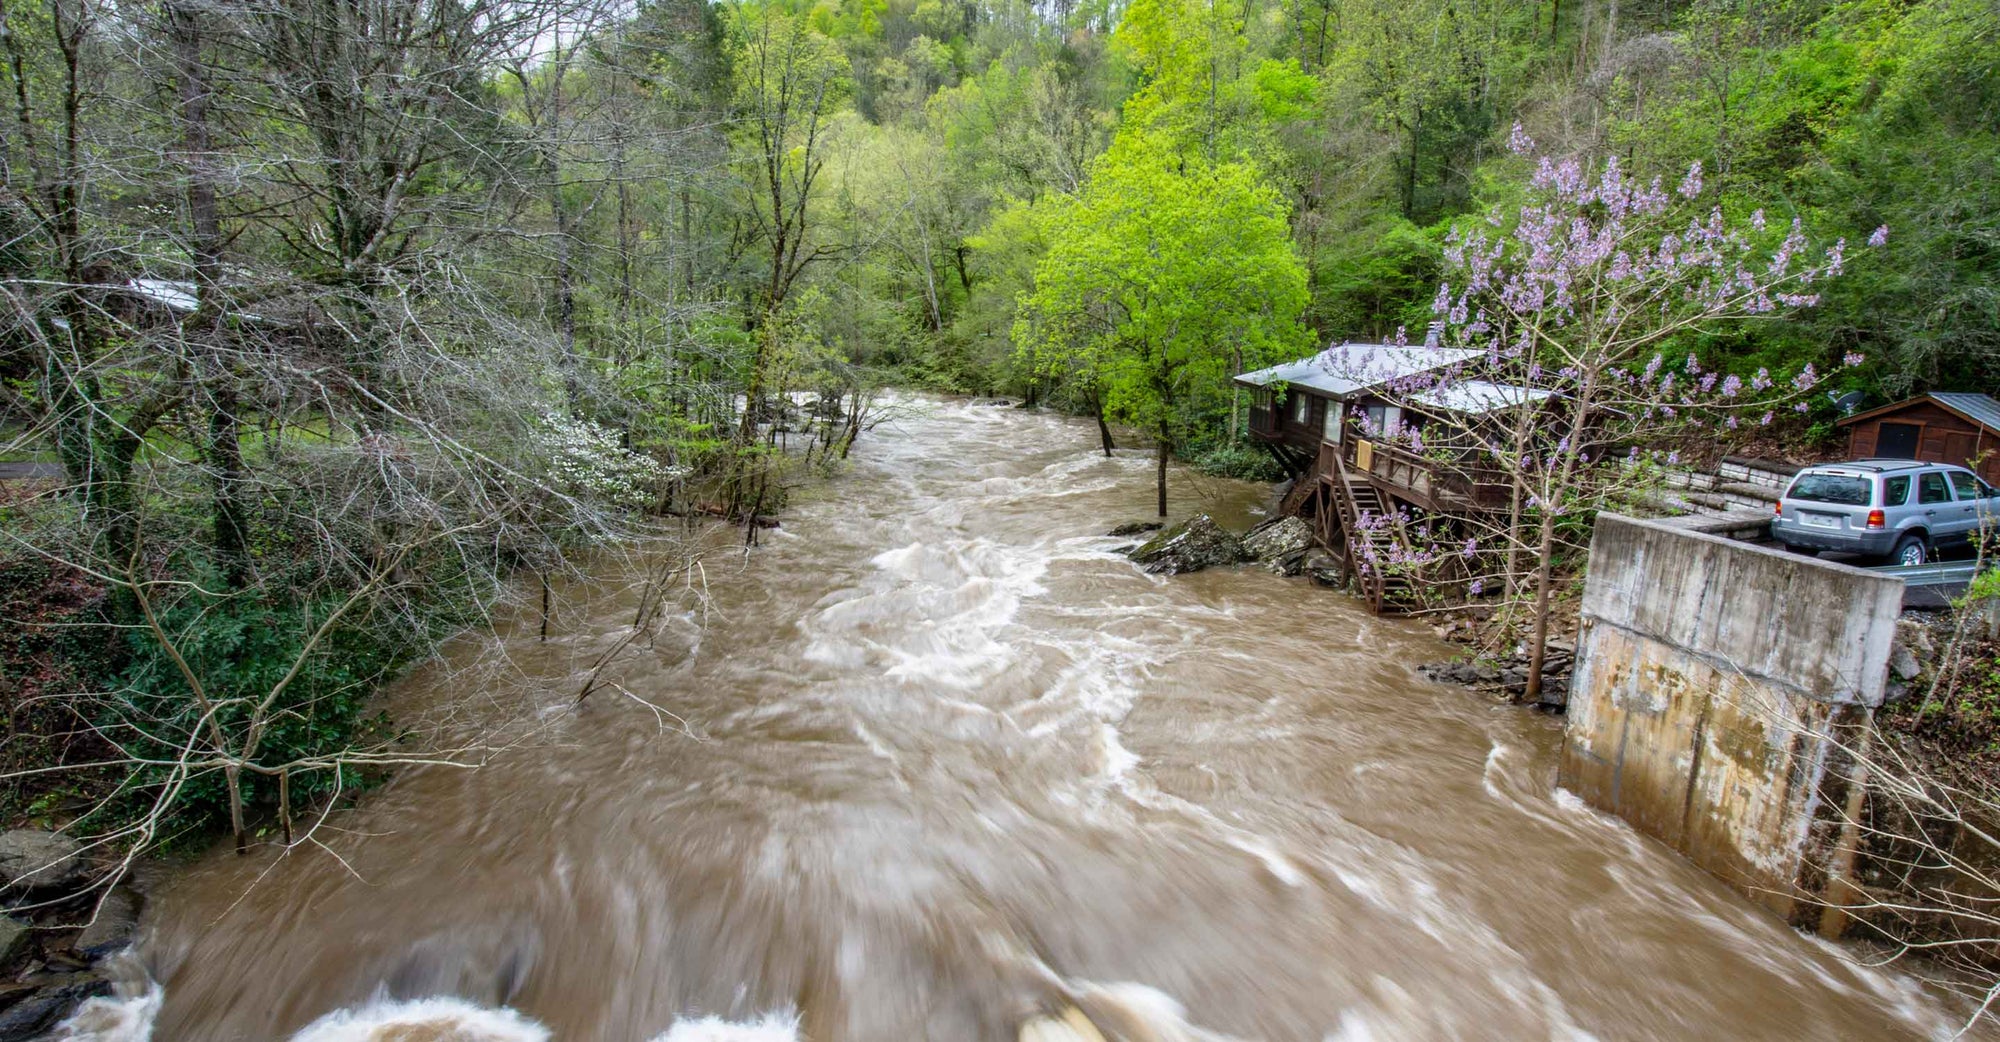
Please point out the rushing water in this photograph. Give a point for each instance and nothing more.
(949, 761)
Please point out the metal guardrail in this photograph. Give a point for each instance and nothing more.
(1942, 573)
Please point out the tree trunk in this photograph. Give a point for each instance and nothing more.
(1236, 398)
(1538, 643)
(225, 447)
(1557, 493)
(225, 452)
(1165, 448)
(1103, 429)
(285, 803)
(233, 777)
(1410, 174)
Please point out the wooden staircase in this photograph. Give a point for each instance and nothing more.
(1354, 499)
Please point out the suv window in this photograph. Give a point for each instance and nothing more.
(1965, 485)
(1831, 488)
(1930, 489)
(1896, 491)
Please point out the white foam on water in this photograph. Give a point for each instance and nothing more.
(1493, 759)
(1353, 1028)
(1275, 863)
(1118, 760)
(438, 1019)
(771, 1027)
(963, 592)
(113, 1019)
(126, 1015)
(1163, 1016)
(1571, 802)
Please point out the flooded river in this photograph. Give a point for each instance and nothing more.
(944, 760)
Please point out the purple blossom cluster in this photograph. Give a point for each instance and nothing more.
(1603, 248)
(1602, 270)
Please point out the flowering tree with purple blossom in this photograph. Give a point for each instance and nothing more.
(1578, 309)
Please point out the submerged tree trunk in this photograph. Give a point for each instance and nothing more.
(1166, 446)
(1103, 429)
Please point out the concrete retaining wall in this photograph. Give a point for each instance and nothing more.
(1720, 693)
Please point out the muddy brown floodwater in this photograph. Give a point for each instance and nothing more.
(957, 760)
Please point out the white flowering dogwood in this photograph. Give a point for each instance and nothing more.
(589, 459)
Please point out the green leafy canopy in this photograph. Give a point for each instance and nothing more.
(1165, 274)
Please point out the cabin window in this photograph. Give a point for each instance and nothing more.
(1300, 405)
(1336, 413)
(1378, 419)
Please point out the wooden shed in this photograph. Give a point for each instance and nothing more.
(1940, 427)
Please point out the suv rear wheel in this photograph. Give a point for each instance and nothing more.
(1910, 551)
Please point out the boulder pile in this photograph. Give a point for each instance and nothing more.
(61, 922)
(1190, 546)
(1281, 543)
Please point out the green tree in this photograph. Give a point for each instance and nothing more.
(790, 82)
(1162, 276)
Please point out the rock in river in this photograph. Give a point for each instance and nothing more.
(1281, 543)
(35, 860)
(1190, 546)
(1135, 528)
(111, 929)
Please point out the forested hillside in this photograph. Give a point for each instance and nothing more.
(325, 319)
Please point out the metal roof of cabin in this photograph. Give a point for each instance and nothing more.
(1342, 370)
(1479, 397)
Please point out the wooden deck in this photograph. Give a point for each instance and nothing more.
(1437, 486)
(1365, 494)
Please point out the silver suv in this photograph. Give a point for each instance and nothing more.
(1897, 509)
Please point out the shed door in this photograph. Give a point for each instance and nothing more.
(1897, 441)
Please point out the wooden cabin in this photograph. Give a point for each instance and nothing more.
(1302, 405)
(1940, 427)
(1323, 417)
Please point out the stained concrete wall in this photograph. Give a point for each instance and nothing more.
(1720, 694)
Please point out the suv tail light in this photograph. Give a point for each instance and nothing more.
(1778, 508)
(1876, 520)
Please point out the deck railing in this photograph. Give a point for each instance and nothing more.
(1443, 484)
